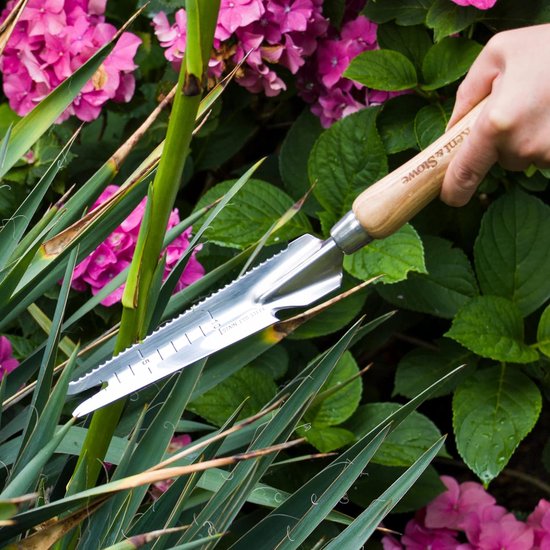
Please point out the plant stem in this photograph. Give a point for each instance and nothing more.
(201, 21)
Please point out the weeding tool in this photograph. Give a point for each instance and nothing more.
(308, 269)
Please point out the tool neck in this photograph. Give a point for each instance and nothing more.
(349, 235)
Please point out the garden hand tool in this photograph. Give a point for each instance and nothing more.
(308, 269)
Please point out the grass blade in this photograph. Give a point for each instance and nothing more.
(355, 535)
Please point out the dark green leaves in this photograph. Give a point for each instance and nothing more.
(344, 160)
(392, 257)
(448, 284)
(512, 251)
(383, 70)
(250, 214)
(492, 327)
(492, 412)
(405, 443)
(447, 61)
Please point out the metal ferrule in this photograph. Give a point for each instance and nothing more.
(349, 234)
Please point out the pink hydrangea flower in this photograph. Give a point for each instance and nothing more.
(264, 33)
(479, 4)
(418, 537)
(7, 362)
(449, 509)
(115, 254)
(539, 521)
(467, 512)
(51, 40)
(321, 81)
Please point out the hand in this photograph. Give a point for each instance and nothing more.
(513, 128)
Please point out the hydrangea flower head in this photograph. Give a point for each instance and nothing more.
(479, 4)
(51, 40)
(264, 34)
(7, 362)
(115, 254)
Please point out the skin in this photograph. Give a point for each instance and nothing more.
(513, 129)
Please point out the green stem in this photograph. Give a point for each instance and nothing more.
(201, 21)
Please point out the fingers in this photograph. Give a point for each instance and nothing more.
(477, 84)
(469, 167)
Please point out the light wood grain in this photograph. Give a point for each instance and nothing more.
(388, 204)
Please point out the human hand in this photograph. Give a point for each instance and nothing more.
(513, 127)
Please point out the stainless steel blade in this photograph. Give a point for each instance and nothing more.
(300, 275)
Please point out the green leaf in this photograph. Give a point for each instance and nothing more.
(543, 332)
(247, 385)
(447, 18)
(430, 123)
(376, 478)
(422, 367)
(413, 42)
(406, 442)
(339, 405)
(492, 327)
(405, 12)
(386, 70)
(396, 122)
(328, 438)
(492, 412)
(345, 159)
(293, 157)
(273, 363)
(447, 61)
(511, 251)
(448, 284)
(392, 257)
(250, 214)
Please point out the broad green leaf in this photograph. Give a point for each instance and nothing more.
(248, 386)
(250, 214)
(345, 159)
(386, 70)
(447, 61)
(406, 442)
(421, 367)
(393, 257)
(405, 12)
(413, 42)
(355, 535)
(447, 18)
(448, 284)
(492, 327)
(339, 405)
(273, 363)
(396, 123)
(512, 254)
(430, 123)
(543, 332)
(377, 478)
(492, 412)
(328, 438)
(295, 151)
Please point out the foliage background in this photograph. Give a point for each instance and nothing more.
(457, 286)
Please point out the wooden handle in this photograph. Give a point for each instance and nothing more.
(388, 204)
